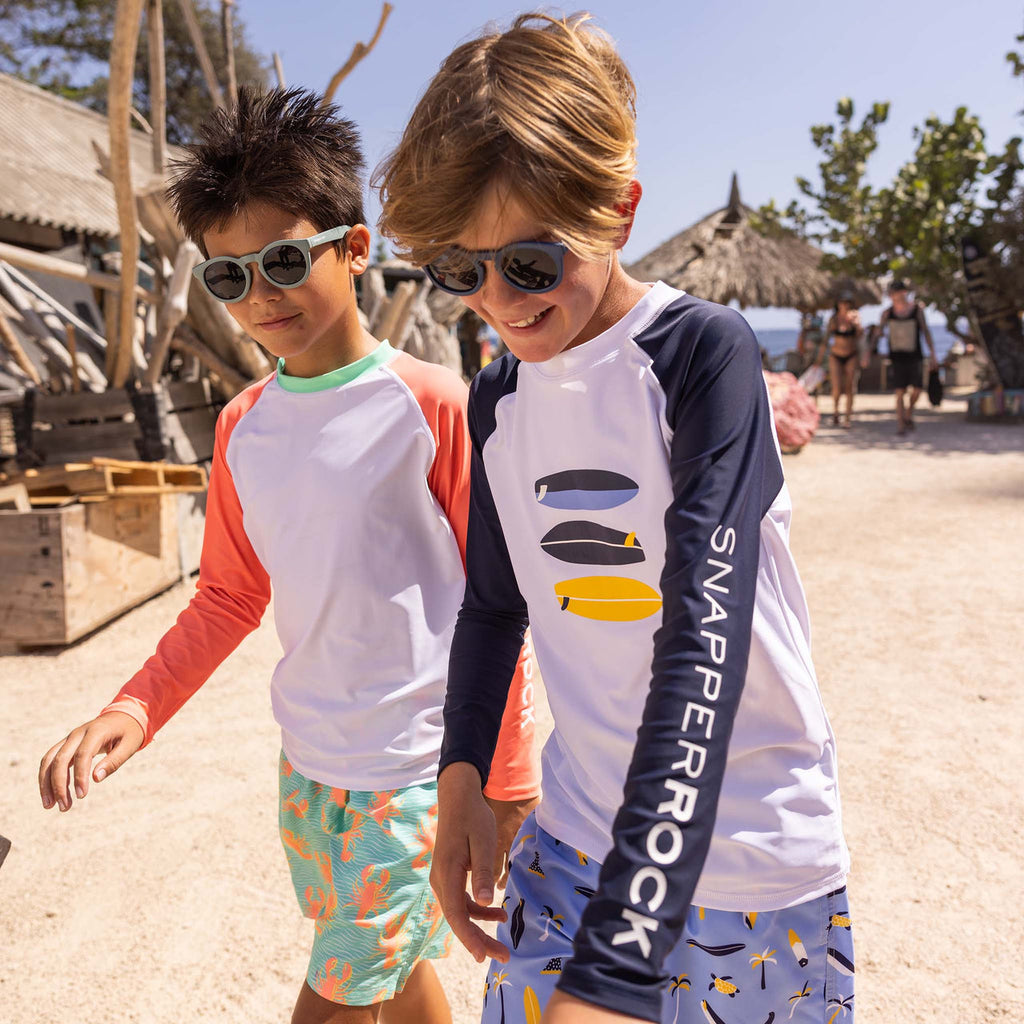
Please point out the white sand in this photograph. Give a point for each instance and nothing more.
(165, 895)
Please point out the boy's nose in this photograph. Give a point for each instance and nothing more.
(261, 289)
(499, 298)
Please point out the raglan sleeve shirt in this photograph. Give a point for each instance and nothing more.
(490, 630)
(512, 772)
(231, 596)
(725, 473)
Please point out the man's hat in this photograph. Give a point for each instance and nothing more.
(899, 285)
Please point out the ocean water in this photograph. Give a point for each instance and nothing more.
(778, 340)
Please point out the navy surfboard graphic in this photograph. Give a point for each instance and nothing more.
(585, 489)
(591, 544)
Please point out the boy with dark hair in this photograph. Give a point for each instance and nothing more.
(341, 481)
(628, 501)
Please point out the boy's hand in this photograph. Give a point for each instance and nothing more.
(466, 843)
(563, 1008)
(115, 734)
(509, 816)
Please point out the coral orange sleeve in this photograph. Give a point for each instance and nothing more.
(442, 396)
(231, 595)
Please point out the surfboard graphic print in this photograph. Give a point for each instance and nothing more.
(589, 489)
(591, 544)
(608, 598)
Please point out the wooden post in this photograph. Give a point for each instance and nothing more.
(11, 343)
(76, 384)
(47, 264)
(279, 71)
(173, 311)
(119, 95)
(226, 18)
(186, 340)
(202, 54)
(157, 82)
(396, 314)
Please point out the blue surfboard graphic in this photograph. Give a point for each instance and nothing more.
(589, 489)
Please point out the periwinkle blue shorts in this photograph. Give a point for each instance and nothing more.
(768, 967)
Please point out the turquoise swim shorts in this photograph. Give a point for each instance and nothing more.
(360, 864)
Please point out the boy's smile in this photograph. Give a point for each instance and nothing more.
(592, 295)
(314, 327)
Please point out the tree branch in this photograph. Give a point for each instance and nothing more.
(359, 51)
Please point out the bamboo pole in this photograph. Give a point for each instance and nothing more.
(202, 54)
(279, 71)
(173, 311)
(226, 27)
(122, 66)
(359, 51)
(186, 340)
(396, 314)
(46, 264)
(11, 343)
(76, 384)
(157, 82)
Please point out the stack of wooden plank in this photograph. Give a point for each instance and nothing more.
(101, 479)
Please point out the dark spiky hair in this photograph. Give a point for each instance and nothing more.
(278, 147)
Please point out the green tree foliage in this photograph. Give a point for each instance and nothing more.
(64, 46)
(912, 227)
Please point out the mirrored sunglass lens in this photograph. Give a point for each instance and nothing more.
(529, 268)
(285, 264)
(225, 279)
(454, 278)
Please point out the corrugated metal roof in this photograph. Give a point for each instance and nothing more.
(49, 172)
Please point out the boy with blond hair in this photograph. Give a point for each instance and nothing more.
(340, 481)
(686, 862)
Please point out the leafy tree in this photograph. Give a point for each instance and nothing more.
(64, 46)
(950, 187)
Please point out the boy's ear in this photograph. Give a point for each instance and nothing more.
(628, 209)
(357, 245)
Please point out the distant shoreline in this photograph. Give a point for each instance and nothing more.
(778, 340)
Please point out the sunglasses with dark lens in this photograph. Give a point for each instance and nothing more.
(534, 267)
(285, 263)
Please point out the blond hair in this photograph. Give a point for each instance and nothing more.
(548, 108)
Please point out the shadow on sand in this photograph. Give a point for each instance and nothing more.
(942, 431)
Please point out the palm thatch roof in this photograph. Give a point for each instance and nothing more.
(49, 170)
(724, 258)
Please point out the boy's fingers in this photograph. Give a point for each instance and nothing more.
(482, 853)
(46, 792)
(479, 944)
(60, 769)
(89, 747)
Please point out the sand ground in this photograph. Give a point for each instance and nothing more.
(165, 895)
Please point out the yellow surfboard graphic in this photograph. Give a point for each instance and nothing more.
(608, 598)
(531, 1006)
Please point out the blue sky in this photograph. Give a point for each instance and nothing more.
(722, 87)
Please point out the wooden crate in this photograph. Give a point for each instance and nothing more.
(173, 422)
(66, 571)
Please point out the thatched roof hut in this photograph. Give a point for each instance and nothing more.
(52, 184)
(724, 258)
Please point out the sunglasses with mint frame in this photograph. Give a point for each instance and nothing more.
(533, 267)
(228, 278)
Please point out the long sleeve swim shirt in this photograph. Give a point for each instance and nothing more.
(628, 502)
(347, 496)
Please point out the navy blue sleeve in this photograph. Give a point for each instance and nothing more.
(725, 474)
(493, 619)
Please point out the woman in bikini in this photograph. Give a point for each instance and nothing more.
(844, 333)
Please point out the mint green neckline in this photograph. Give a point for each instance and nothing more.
(335, 378)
